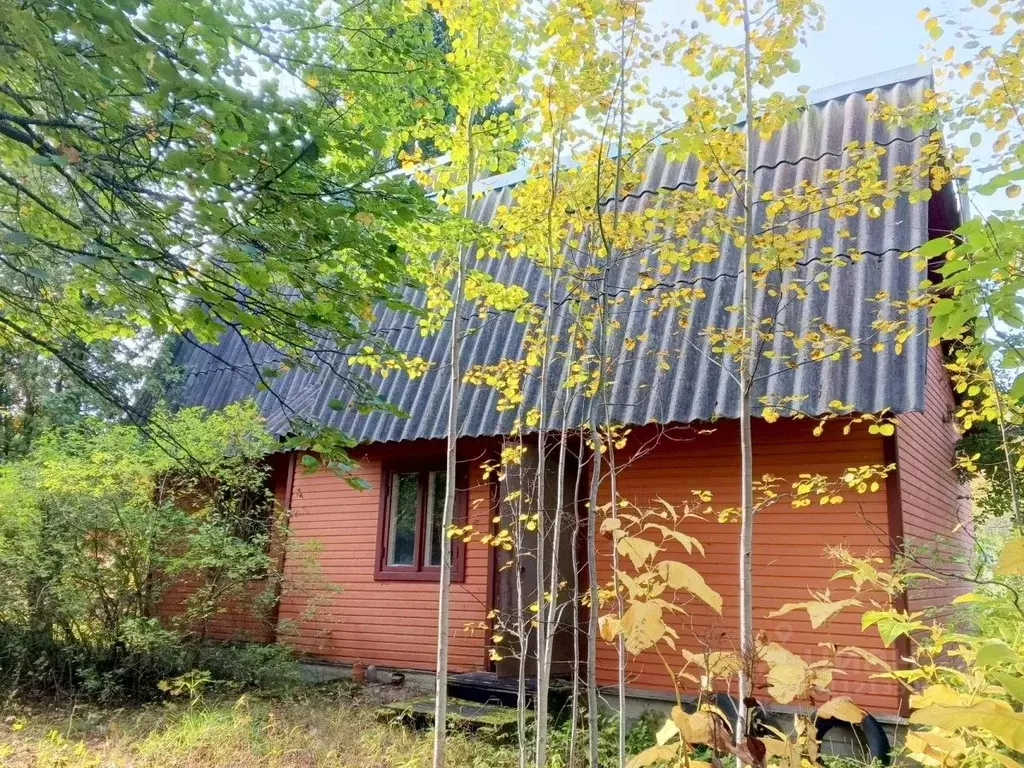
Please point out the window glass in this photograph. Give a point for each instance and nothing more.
(435, 517)
(404, 501)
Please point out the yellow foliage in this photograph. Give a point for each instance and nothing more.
(639, 550)
(643, 625)
(841, 708)
(681, 576)
(1011, 559)
(790, 677)
(995, 717)
(819, 611)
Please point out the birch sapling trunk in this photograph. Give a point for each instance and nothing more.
(575, 597)
(522, 626)
(444, 588)
(545, 611)
(543, 665)
(593, 726)
(620, 640)
(746, 544)
(602, 388)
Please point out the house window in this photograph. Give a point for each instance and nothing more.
(411, 539)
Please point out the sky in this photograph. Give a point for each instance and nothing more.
(861, 37)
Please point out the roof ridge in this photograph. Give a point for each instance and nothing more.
(904, 74)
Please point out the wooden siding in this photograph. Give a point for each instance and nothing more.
(241, 618)
(936, 512)
(789, 549)
(390, 623)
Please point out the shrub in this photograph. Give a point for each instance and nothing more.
(96, 522)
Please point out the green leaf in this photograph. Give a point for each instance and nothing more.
(219, 172)
(992, 654)
(358, 483)
(1014, 684)
(890, 624)
(936, 247)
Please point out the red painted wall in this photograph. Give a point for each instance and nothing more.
(935, 505)
(239, 618)
(390, 623)
(789, 544)
(394, 623)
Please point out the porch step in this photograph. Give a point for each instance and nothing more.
(471, 715)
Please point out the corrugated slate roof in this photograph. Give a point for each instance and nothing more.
(696, 386)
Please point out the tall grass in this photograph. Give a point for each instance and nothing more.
(307, 730)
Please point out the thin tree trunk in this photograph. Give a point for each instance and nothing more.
(522, 626)
(444, 588)
(546, 603)
(543, 667)
(575, 706)
(592, 627)
(1004, 443)
(746, 606)
(602, 329)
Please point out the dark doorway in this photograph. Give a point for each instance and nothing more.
(518, 495)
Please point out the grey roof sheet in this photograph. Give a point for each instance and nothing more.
(695, 387)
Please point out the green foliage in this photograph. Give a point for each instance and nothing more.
(639, 737)
(158, 158)
(964, 668)
(97, 521)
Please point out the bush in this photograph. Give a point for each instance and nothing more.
(97, 522)
(639, 737)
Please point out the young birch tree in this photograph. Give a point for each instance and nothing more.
(484, 71)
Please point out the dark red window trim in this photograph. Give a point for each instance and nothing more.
(382, 571)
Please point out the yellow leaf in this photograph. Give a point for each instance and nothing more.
(637, 549)
(1011, 559)
(668, 731)
(643, 626)
(652, 755)
(609, 627)
(996, 717)
(1013, 191)
(938, 694)
(701, 727)
(787, 752)
(933, 748)
(715, 663)
(841, 708)
(1009, 762)
(681, 576)
(819, 611)
(789, 676)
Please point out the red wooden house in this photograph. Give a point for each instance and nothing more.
(381, 545)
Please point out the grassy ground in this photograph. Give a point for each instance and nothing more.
(333, 725)
(326, 726)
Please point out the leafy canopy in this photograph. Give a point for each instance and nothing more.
(206, 167)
